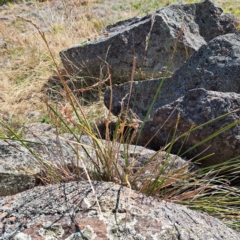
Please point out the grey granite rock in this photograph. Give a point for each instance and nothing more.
(70, 211)
(19, 169)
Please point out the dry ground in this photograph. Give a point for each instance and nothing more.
(26, 65)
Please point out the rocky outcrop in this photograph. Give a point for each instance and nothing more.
(70, 211)
(215, 66)
(171, 34)
(20, 169)
(197, 107)
(17, 168)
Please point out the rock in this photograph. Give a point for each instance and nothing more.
(142, 95)
(20, 170)
(212, 22)
(28, 4)
(38, 129)
(70, 211)
(16, 168)
(151, 39)
(197, 107)
(215, 66)
(4, 7)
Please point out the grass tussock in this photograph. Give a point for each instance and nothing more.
(30, 56)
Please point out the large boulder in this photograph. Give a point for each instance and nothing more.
(71, 211)
(20, 169)
(152, 40)
(215, 66)
(197, 107)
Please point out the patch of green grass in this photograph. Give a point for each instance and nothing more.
(2, 2)
(57, 28)
(142, 7)
(235, 11)
(97, 23)
(45, 119)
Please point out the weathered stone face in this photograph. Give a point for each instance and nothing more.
(215, 66)
(152, 40)
(70, 211)
(197, 107)
(19, 168)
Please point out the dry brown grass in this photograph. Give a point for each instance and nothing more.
(26, 64)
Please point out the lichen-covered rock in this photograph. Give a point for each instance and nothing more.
(152, 40)
(197, 107)
(19, 169)
(215, 66)
(70, 211)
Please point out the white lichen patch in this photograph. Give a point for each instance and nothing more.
(75, 236)
(21, 236)
(86, 233)
(51, 231)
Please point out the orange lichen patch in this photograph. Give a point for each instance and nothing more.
(8, 204)
(1, 226)
(4, 214)
(63, 223)
(10, 219)
(8, 200)
(33, 231)
(93, 226)
(34, 235)
(96, 224)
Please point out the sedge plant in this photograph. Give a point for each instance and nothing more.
(207, 189)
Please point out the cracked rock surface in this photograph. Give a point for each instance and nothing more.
(180, 29)
(69, 211)
(197, 107)
(20, 170)
(215, 66)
